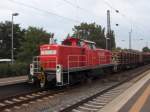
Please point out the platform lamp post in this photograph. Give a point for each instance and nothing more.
(141, 39)
(12, 37)
(130, 39)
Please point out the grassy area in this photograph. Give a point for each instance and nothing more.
(16, 69)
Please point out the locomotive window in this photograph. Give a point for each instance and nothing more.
(67, 43)
(78, 43)
(92, 46)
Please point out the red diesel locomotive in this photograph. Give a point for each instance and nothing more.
(64, 63)
(76, 59)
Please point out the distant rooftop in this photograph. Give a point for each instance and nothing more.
(5, 60)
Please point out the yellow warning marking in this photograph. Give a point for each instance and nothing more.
(141, 101)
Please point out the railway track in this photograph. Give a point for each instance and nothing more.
(30, 97)
(8, 91)
(97, 101)
(25, 99)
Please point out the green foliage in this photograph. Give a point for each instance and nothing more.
(117, 49)
(5, 39)
(26, 44)
(94, 33)
(17, 69)
(33, 38)
(146, 49)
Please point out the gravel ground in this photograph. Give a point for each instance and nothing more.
(15, 89)
(60, 101)
(57, 102)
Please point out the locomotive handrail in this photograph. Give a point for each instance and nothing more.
(77, 61)
(83, 61)
(38, 64)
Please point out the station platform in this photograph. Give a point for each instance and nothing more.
(13, 80)
(134, 99)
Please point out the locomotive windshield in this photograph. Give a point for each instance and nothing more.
(72, 42)
(92, 46)
(67, 43)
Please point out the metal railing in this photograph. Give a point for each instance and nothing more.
(77, 61)
(47, 64)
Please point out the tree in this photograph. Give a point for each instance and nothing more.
(117, 49)
(146, 49)
(94, 33)
(5, 39)
(33, 38)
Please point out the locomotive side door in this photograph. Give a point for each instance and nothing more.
(91, 52)
(88, 55)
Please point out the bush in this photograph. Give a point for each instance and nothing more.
(17, 69)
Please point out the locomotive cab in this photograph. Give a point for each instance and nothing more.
(79, 42)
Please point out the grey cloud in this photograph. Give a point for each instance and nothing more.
(95, 12)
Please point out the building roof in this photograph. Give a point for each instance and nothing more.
(5, 60)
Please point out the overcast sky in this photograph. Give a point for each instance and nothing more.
(59, 16)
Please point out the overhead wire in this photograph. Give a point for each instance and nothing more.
(42, 10)
(80, 8)
(131, 22)
(117, 11)
(76, 6)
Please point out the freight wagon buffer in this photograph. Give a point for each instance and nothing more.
(64, 63)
